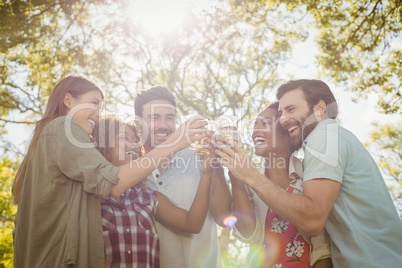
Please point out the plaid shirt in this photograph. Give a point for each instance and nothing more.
(129, 232)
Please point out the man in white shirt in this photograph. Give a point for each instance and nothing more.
(178, 179)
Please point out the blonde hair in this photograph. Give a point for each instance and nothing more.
(76, 85)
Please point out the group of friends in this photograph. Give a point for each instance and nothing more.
(101, 192)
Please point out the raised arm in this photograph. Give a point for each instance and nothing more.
(242, 208)
(180, 219)
(132, 173)
(309, 211)
(220, 198)
(220, 203)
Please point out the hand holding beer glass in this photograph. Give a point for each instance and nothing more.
(226, 130)
(202, 146)
(222, 131)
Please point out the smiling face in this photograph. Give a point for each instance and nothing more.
(296, 116)
(160, 120)
(126, 148)
(85, 109)
(268, 136)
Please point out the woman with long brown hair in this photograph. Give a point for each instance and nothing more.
(58, 185)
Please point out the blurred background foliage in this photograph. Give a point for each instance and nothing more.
(223, 59)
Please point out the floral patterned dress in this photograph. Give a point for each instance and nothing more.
(284, 246)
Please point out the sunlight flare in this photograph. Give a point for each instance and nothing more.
(158, 16)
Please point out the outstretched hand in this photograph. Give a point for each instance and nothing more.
(207, 154)
(192, 130)
(237, 160)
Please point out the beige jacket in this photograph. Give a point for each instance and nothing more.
(58, 222)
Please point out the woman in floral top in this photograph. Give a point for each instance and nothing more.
(128, 222)
(282, 244)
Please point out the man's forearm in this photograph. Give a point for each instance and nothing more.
(300, 210)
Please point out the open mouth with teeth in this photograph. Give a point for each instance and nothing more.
(161, 134)
(259, 140)
(92, 122)
(292, 129)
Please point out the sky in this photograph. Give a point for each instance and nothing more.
(357, 117)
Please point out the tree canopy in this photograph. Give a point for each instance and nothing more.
(360, 45)
(220, 61)
(223, 60)
(215, 63)
(7, 211)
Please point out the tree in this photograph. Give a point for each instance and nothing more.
(223, 60)
(42, 41)
(215, 63)
(386, 144)
(356, 47)
(220, 61)
(7, 211)
(357, 44)
(206, 62)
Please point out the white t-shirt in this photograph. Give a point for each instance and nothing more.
(179, 182)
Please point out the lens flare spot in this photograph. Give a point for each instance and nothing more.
(230, 221)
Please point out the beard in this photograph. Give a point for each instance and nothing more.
(307, 125)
